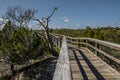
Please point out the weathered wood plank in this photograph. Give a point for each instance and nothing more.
(92, 67)
(62, 71)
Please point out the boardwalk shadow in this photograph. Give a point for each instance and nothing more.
(90, 65)
(80, 66)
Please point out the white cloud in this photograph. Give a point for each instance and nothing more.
(65, 19)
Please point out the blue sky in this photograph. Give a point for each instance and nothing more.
(72, 13)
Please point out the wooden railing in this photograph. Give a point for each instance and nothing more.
(57, 40)
(62, 71)
(108, 52)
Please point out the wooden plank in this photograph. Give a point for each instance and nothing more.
(94, 68)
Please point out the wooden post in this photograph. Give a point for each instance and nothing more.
(79, 43)
(100, 47)
(54, 40)
(96, 48)
(71, 41)
(86, 43)
(60, 42)
(57, 41)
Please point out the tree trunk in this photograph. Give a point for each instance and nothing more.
(50, 42)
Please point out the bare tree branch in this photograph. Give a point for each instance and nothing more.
(54, 9)
(19, 16)
(40, 23)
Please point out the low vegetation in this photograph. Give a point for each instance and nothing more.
(111, 34)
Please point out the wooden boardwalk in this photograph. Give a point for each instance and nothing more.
(87, 66)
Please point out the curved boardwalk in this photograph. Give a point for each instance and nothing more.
(87, 66)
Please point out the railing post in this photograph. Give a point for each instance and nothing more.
(86, 43)
(60, 42)
(54, 40)
(71, 41)
(79, 43)
(57, 40)
(99, 47)
(95, 48)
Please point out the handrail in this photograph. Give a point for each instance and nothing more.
(105, 43)
(62, 71)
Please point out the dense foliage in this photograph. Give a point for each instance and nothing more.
(111, 34)
(19, 45)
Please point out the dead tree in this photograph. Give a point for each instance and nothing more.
(44, 22)
(19, 16)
